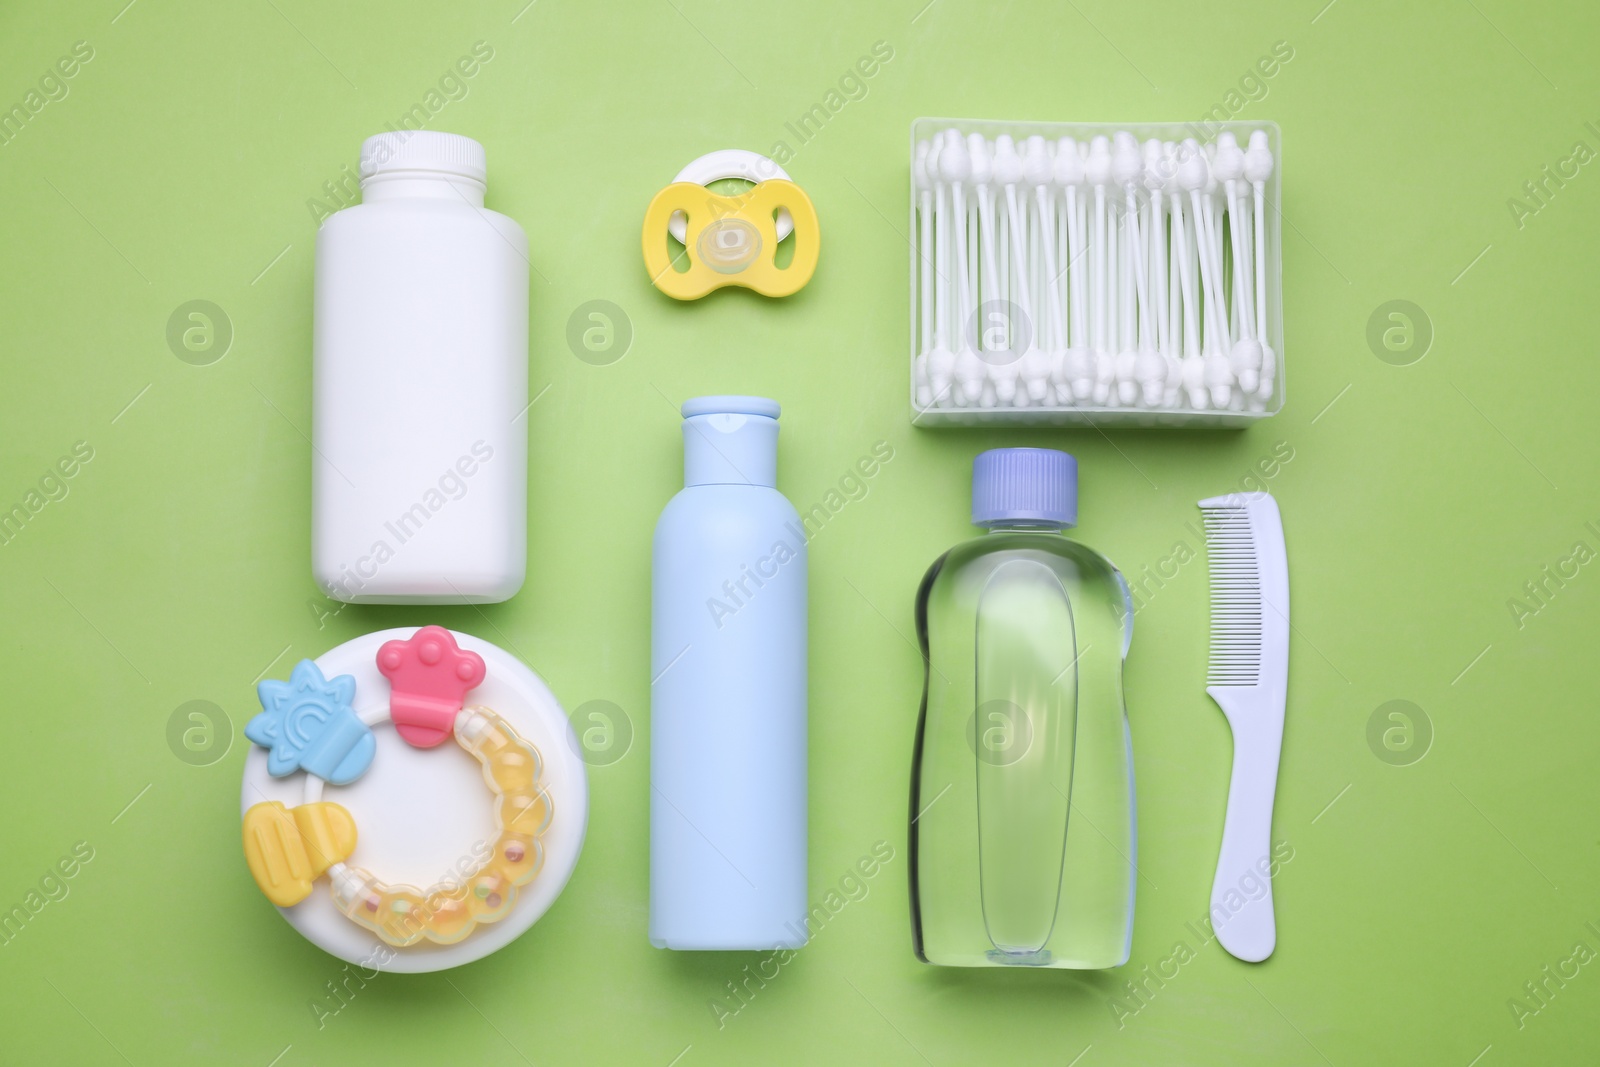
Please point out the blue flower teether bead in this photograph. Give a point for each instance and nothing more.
(307, 723)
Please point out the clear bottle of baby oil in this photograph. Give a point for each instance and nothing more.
(1022, 831)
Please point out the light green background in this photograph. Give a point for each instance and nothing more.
(1420, 898)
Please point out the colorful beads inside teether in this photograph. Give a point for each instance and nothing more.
(307, 724)
(403, 915)
(731, 240)
(429, 676)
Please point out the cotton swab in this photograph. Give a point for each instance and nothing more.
(1136, 375)
(1245, 356)
(1007, 173)
(1258, 168)
(1217, 374)
(941, 358)
(924, 387)
(981, 181)
(1197, 180)
(955, 165)
(976, 340)
(1191, 176)
(1039, 363)
(1168, 164)
(991, 280)
(1097, 170)
(1060, 385)
(1113, 301)
(1126, 168)
(1150, 369)
(1074, 375)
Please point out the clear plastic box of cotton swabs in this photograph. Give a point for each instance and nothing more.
(1106, 274)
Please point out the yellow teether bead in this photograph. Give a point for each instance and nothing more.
(490, 897)
(286, 850)
(449, 916)
(524, 812)
(514, 770)
(517, 857)
(401, 918)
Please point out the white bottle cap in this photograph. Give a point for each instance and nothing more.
(425, 152)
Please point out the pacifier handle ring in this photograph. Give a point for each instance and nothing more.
(728, 163)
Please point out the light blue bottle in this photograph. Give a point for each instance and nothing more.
(728, 692)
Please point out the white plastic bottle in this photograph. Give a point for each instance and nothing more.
(419, 466)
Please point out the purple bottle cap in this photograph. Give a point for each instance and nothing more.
(1024, 486)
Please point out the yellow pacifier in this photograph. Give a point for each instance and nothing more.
(731, 240)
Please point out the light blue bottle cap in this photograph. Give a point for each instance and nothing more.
(1024, 485)
(730, 440)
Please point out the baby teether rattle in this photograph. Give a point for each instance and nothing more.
(309, 724)
(731, 240)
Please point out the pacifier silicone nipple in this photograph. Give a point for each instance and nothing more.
(728, 246)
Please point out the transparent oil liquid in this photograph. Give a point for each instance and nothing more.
(1022, 832)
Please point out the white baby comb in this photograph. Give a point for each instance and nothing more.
(1248, 677)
